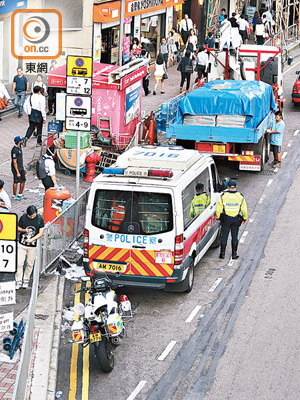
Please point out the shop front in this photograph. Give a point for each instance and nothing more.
(146, 20)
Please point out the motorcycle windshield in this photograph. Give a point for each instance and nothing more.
(138, 232)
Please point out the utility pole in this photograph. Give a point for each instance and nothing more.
(122, 17)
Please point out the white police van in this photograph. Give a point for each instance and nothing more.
(139, 228)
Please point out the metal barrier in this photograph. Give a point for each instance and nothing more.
(24, 364)
(63, 231)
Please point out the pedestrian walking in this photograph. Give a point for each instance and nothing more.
(201, 63)
(172, 48)
(39, 82)
(221, 16)
(4, 97)
(145, 55)
(5, 204)
(200, 201)
(186, 24)
(243, 25)
(49, 165)
(191, 44)
(196, 30)
(159, 73)
(254, 22)
(186, 68)
(233, 20)
(163, 49)
(35, 109)
(20, 89)
(176, 38)
(210, 41)
(231, 212)
(277, 131)
(31, 228)
(18, 169)
(260, 32)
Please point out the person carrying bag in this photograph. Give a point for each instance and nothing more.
(186, 68)
(35, 109)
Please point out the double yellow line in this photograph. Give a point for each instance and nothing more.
(74, 358)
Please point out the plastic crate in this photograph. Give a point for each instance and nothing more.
(71, 139)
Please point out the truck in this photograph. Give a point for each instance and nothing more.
(227, 118)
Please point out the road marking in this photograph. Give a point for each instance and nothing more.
(253, 216)
(261, 200)
(86, 360)
(74, 358)
(293, 66)
(270, 181)
(167, 350)
(290, 143)
(136, 390)
(243, 237)
(296, 132)
(284, 155)
(215, 285)
(231, 262)
(193, 314)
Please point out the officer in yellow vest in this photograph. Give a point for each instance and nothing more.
(200, 201)
(231, 203)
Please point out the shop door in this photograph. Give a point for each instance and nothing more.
(106, 46)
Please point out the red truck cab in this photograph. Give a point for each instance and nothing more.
(296, 91)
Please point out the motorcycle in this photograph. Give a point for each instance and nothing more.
(101, 321)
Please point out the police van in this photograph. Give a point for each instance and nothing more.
(140, 225)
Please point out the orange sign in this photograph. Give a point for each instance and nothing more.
(109, 12)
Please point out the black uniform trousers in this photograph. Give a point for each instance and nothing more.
(230, 224)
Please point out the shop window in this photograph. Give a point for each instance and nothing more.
(151, 33)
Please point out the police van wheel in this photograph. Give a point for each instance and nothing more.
(190, 277)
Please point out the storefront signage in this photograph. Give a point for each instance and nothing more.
(7, 293)
(133, 102)
(126, 49)
(109, 12)
(7, 6)
(133, 77)
(6, 322)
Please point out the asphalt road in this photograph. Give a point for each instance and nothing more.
(241, 343)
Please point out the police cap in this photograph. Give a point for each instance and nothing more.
(232, 183)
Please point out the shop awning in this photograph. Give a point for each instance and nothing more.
(110, 11)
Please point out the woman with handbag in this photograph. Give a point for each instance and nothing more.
(260, 32)
(186, 68)
(35, 109)
(4, 97)
(160, 73)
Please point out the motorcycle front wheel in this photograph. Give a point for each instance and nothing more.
(105, 355)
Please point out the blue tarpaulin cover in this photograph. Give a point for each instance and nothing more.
(250, 98)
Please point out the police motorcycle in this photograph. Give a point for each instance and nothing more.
(101, 321)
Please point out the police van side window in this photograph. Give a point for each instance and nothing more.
(215, 178)
(194, 205)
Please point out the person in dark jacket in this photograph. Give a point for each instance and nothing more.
(186, 68)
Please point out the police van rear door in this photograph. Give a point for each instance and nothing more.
(136, 231)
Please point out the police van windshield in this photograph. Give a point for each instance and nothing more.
(132, 212)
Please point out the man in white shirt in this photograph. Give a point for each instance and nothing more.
(243, 25)
(201, 63)
(35, 109)
(185, 27)
(5, 204)
(50, 180)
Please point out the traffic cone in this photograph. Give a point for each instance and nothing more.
(150, 135)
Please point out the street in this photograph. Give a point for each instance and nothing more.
(234, 336)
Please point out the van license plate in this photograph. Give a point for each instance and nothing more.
(95, 337)
(111, 267)
(163, 257)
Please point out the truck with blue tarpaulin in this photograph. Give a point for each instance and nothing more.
(229, 119)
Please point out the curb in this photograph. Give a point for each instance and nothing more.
(49, 309)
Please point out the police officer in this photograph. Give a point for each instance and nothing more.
(229, 206)
(200, 201)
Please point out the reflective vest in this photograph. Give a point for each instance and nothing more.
(232, 203)
(118, 215)
(199, 204)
